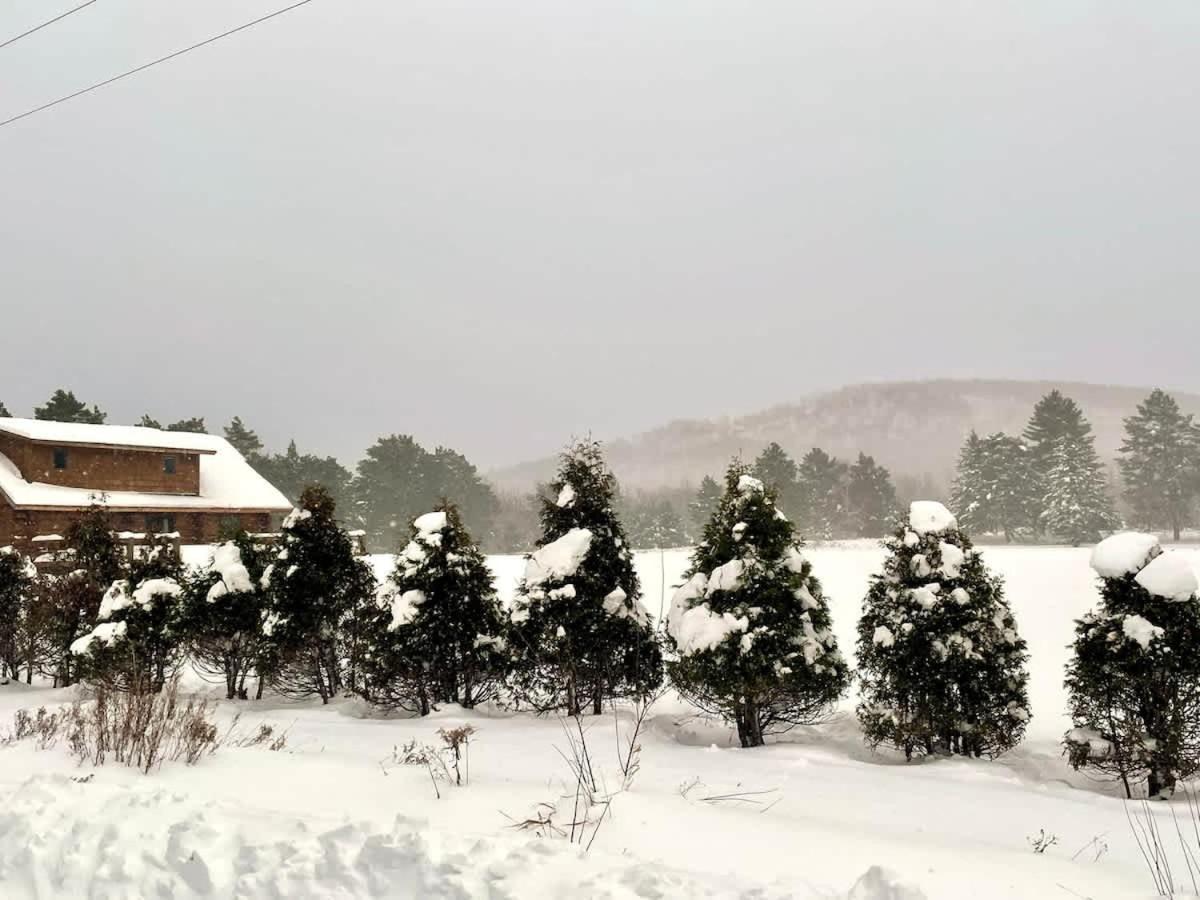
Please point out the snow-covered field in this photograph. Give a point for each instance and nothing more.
(333, 815)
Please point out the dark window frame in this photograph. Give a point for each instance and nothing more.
(169, 465)
(61, 458)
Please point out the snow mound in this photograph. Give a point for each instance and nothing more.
(59, 838)
(227, 562)
(748, 484)
(930, 517)
(1169, 575)
(430, 523)
(1141, 630)
(558, 559)
(1123, 554)
(879, 884)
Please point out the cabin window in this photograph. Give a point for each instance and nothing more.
(60, 457)
(169, 465)
(160, 523)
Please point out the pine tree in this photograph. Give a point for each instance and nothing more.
(1160, 464)
(293, 471)
(223, 612)
(941, 666)
(314, 586)
(64, 407)
(244, 440)
(1055, 417)
(1134, 680)
(993, 486)
(704, 504)
(821, 495)
(872, 497)
(434, 634)
(148, 421)
(18, 580)
(194, 425)
(1077, 507)
(578, 630)
(775, 468)
(750, 627)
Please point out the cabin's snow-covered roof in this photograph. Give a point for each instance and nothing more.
(107, 435)
(227, 482)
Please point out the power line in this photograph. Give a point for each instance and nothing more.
(161, 59)
(13, 40)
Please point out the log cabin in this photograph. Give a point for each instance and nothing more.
(159, 482)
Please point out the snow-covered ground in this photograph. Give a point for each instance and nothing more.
(333, 814)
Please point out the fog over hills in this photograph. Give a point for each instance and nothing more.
(914, 428)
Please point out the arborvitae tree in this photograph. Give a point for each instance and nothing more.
(1055, 417)
(578, 631)
(704, 504)
(822, 495)
(191, 426)
(1134, 680)
(314, 586)
(993, 487)
(294, 471)
(750, 627)
(64, 407)
(1077, 507)
(433, 634)
(872, 497)
(223, 614)
(18, 579)
(775, 468)
(1160, 464)
(244, 440)
(941, 666)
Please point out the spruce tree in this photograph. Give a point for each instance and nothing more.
(314, 586)
(941, 666)
(872, 497)
(775, 468)
(1160, 464)
(704, 504)
(750, 627)
(1077, 507)
(63, 406)
(433, 636)
(244, 440)
(1134, 679)
(822, 495)
(223, 612)
(1055, 417)
(993, 487)
(579, 633)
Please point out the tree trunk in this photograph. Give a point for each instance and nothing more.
(1161, 784)
(748, 726)
(573, 707)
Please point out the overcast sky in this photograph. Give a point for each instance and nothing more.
(493, 224)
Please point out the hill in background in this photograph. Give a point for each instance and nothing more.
(913, 428)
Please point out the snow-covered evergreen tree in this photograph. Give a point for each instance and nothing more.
(1077, 507)
(708, 495)
(1160, 464)
(822, 495)
(18, 581)
(993, 487)
(941, 666)
(1056, 417)
(872, 497)
(750, 627)
(579, 633)
(1134, 679)
(313, 588)
(775, 468)
(434, 633)
(223, 614)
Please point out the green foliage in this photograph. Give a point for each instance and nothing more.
(4, 413)
(750, 628)
(18, 580)
(1134, 687)
(398, 479)
(148, 421)
(244, 440)
(1160, 464)
(433, 634)
(872, 498)
(704, 504)
(578, 630)
(822, 495)
(993, 489)
(941, 666)
(1055, 418)
(64, 407)
(293, 471)
(314, 586)
(775, 468)
(515, 525)
(652, 520)
(223, 613)
(1077, 507)
(191, 426)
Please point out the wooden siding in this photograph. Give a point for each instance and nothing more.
(103, 468)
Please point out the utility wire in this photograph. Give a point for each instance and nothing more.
(13, 40)
(161, 59)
